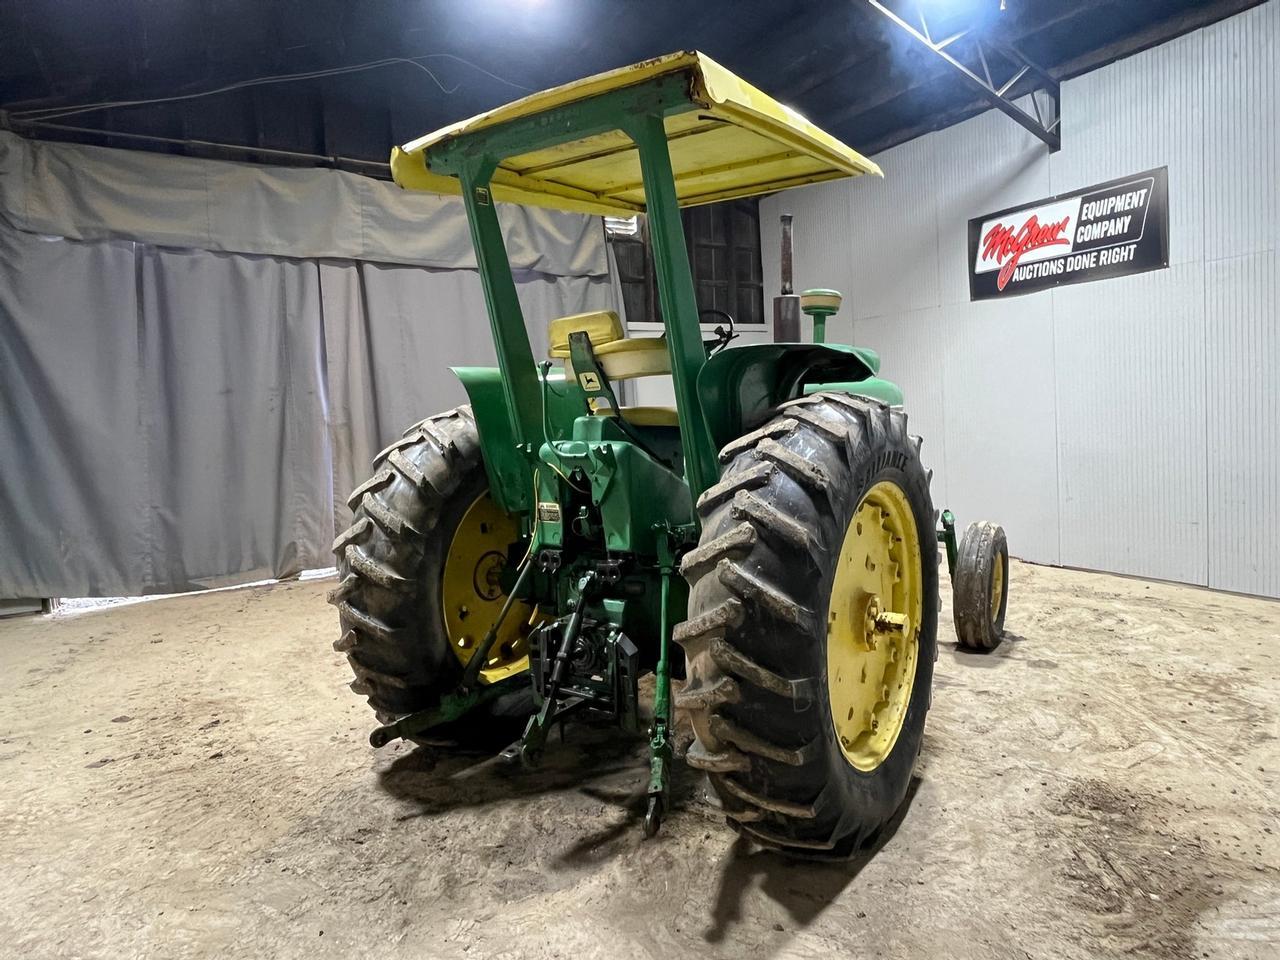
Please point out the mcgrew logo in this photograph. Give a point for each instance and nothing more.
(1002, 242)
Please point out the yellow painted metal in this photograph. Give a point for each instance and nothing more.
(997, 587)
(471, 594)
(645, 416)
(629, 358)
(733, 141)
(620, 357)
(651, 416)
(872, 626)
(824, 300)
(600, 326)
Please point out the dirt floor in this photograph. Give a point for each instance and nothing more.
(190, 778)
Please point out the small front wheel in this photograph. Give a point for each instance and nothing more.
(980, 593)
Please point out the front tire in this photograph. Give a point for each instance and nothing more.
(812, 624)
(980, 595)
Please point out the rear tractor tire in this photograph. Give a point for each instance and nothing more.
(812, 625)
(418, 582)
(980, 594)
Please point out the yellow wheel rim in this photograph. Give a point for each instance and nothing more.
(472, 595)
(997, 587)
(873, 626)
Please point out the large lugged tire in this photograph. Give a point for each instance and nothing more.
(391, 566)
(814, 588)
(980, 594)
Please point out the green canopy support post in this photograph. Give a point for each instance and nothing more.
(515, 355)
(677, 298)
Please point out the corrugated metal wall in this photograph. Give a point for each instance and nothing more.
(1130, 425)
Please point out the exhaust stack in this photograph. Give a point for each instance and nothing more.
(786, 308)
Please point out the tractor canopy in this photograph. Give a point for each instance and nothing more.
(726, 140)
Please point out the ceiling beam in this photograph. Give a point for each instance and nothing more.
(985, 84)
(1159, 32)
(217, 150)
(856, 56)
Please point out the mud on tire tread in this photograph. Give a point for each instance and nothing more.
(390, 562)
(755, 640)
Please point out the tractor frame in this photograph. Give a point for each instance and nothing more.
(606, 509)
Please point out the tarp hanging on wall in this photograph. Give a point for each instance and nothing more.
(98, 193)
(386, 370)
(177, 418)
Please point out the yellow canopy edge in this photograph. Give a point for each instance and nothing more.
(734, 141)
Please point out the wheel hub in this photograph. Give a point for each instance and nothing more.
(472, 596)
(997, 589)
(873, 618)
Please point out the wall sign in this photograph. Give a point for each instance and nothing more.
(1108, 230)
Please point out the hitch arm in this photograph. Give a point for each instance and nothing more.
(660, 732)
(535, 734)
(468, 695)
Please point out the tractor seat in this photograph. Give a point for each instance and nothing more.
(644, 416)
(621, 357)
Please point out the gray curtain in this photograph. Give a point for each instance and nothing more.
(97, 193)
(388, 366)
(180, 418)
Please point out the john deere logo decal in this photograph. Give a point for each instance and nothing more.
(1108, 230)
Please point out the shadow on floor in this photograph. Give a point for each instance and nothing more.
(600, 761)
(985, 659)
(804, 888)
(601, 845)
(612, 768)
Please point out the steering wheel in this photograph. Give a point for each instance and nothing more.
(723, 337)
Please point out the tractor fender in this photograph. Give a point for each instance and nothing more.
(510, 469)
(739, 388)
(509, 483)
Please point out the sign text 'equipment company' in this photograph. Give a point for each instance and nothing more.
(1108, 230)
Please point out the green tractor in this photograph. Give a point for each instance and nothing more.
(529, 556)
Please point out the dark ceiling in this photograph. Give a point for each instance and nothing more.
(840, 63)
